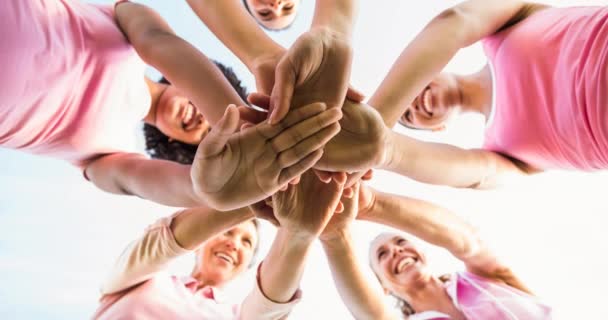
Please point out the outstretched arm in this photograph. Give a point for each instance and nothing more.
(359, 297)
(453, 29)
(161, 181)
(444, 164)
(180, 62)
(166, 240)
(440, 227)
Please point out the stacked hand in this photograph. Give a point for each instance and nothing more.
(235, 169)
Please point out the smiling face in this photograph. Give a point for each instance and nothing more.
(177, 118)
(398, 264)
(227, 255)
(434, 105)
(273, 14)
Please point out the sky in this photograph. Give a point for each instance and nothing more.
(59, 235)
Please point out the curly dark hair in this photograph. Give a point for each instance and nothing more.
(160, 146)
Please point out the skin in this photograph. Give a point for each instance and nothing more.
(174, 115)
(225, 256)
(274, 14)
(447, 96)
(402, 270)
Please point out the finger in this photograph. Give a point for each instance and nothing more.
(295, 181)
(299, 168)
(324, 176)
(218, 137)
(307, 128)
(263, 211)
(339, 207)
(368, 175)
(282, 92)
(317, 141)
(339, 177)
(294, 117)
(259, 99)
(348, 192)
(252, 115)
(354, 94)
(246, 125)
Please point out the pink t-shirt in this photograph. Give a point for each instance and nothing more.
(72, 86)
(551, 89)
(139, 288)
(482, 299)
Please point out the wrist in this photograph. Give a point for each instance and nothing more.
(387, 161)
(296, 238)
(263, 53)
(336, 241)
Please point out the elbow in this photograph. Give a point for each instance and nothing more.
(459, 24)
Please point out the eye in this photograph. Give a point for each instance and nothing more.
(248, 242)
(229, 233)
(408, 116)
(401, 242)
(381, 254)
(288, 7)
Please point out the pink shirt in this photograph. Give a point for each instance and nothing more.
(551, 89)
(482, 299)
(72, 86)
(138, 287)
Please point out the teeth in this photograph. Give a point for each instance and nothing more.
(404, 263)
(225, 257)
(427, 101)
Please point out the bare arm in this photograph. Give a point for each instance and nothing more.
(236, 28)
(336, 15)
(442, 228)
(358, 295)
(166, 240)
(179, 61)
(453, 29)
(161, 181)
(444, 164)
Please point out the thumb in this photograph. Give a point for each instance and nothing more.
(216, 140)
(259, 99)
(354, 94)
(282, 92)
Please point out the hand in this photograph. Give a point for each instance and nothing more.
(306, 208)
(235, 169)
(263, 69)
(316, 68)
(341, 221)
(361, 144)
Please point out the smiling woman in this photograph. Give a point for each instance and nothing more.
(273, 14)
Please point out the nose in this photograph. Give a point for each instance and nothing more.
(277, 4)
(230, 244)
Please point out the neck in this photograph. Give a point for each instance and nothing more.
(476, 92)
(156, 91)
(431, 295)
(202, 280)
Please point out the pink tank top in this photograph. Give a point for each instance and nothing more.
(482, 299)
(551, 89)
(72, 86)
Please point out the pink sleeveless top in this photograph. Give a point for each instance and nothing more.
(551, 89)
(72, 86)
(482, 299)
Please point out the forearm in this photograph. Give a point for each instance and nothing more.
(180, 62)
(167, 239)
(194, 226)
(236, 28)
(336, 15)
(359, 297)
(284, 265)
(426, 221)
(431, 50)
(161, 181)
(444, 164)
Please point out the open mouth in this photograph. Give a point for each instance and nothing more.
(225, 257)
(404, 263)
(191, 118)
(425, 102)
